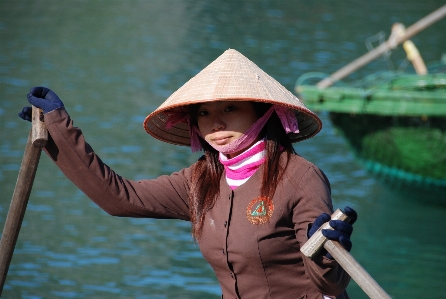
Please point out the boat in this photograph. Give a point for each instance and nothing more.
(394, 122)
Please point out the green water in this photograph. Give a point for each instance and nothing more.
(113, 62)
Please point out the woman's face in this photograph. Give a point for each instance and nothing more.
(222, 122)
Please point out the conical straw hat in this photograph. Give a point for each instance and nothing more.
(231, 76)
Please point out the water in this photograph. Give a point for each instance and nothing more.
(113, 62)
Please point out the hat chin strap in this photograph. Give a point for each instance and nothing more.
(285, 115)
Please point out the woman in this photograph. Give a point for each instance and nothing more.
(253, 202)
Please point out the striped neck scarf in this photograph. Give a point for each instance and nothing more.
(240, 168)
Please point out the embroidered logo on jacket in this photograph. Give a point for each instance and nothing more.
(259, 210)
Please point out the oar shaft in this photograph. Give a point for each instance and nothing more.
(384, 47)
(37, 138)
(355, 270)
(313, 246)
(18, 205)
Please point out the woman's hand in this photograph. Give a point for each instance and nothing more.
(341, 231)
(43, 98)
(26, 113)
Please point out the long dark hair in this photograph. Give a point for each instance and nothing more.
(206, 176)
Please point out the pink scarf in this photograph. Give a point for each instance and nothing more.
(240, 168)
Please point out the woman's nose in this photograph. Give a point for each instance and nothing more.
(217, 123)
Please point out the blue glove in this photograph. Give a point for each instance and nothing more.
(26, 113)
(341, 230)
(43, 98)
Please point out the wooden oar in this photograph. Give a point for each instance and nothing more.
(317, 241)
(391, 43)
(37, 139)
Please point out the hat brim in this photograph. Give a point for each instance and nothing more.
(155, 123)
(232, 77)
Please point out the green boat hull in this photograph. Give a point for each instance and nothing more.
(409, 149)
(396, 129)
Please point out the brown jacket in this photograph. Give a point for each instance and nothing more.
(252, 243)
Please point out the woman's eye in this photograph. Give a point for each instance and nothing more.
(202, 113)
(229, 108)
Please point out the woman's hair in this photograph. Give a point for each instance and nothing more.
(205, 185)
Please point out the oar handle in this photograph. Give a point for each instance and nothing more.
(39, 131)
(315, 244)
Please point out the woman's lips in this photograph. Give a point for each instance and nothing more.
(221, 140)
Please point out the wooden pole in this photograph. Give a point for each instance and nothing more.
(414, 56)
(391, 43)
(355, 270)
(38, 130)
(315, 244)
(37, 139)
